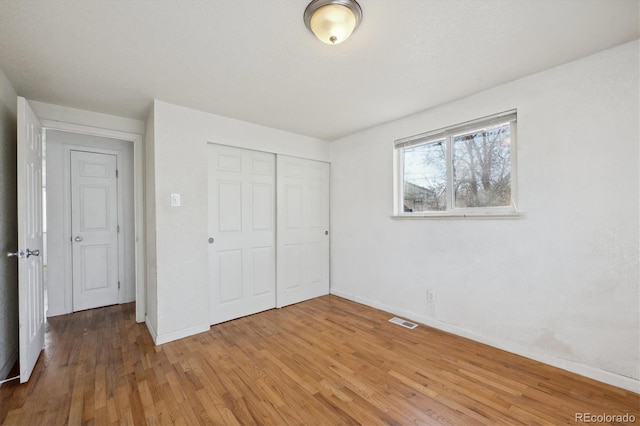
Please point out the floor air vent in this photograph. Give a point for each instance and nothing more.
(404, 323)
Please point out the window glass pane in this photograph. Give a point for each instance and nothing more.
(425, 177)
(482, 167)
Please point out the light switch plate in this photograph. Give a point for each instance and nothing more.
(175, 200)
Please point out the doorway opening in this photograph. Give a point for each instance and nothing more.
(89, 221)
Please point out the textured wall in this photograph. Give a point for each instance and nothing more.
(560, 284)
(8, 228)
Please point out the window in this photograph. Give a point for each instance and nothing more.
(467, 169)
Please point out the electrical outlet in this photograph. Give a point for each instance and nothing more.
(430, 308)
(431, 297)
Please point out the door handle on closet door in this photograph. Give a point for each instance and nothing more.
(78, 239)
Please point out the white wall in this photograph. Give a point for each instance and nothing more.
(45, 111)
(59, 272)
(180, 166)
(8, 227)
(560, 285)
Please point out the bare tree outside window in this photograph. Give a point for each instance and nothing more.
(425, 177)
(482, 168)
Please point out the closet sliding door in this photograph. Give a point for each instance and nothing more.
(242, 252)
(302, 229)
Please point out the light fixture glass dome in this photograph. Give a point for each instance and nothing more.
(332, 21)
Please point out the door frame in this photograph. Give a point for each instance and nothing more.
(138, 196)
(67, 149)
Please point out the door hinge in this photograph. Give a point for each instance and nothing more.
(118, 285)
(116, 173)
(118, 228)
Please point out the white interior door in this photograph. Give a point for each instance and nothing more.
(30, 284)
(94, 228)
(303, 229)
(242, 232)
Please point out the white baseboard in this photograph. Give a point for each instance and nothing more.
(61, 310)
(152, 331)
(6, 368)
(604, 376)
(343, 294)
(160, 339)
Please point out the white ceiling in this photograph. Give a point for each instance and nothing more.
(257, 62)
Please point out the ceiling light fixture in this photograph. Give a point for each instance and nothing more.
(332, 21)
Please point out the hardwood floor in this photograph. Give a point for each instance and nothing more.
(325, 361)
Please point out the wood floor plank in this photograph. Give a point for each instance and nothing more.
(325, 361)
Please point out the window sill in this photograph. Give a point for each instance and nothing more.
(419, 216)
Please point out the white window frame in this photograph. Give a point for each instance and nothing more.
(448, 133)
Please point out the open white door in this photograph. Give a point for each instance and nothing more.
(30, 285)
